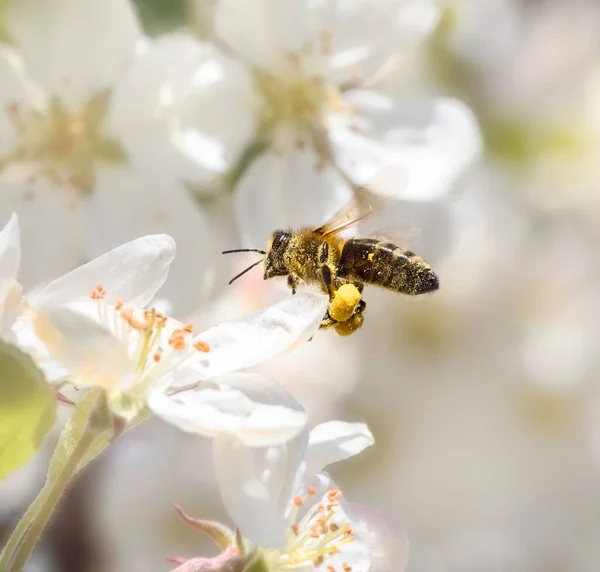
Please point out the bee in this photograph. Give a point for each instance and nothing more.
(341, 266)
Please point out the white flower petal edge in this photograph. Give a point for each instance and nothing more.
(263, 32)
(436, 142)
(260, 336)
(335, 441)
(10, 249)
(258, 482)
(59, 41)
(90, 353)
(132, 272)
(218, 410)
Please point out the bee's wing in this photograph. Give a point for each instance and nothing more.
(367, 200)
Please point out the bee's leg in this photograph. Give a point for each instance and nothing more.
(293, 281)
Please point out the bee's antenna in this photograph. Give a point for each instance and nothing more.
(244, 250)
(244, 271)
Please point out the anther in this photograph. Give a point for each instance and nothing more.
(188, 328)
(298, 500)
(311, 491)
(98, 293)
(295, 528)
(318, 560)
(118, 304)
(346, 567)
(201, 346)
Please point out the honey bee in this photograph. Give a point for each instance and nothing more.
(341, 266)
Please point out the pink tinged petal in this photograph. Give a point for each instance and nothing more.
(260, 336)
(290, 189)
(213, 412)
(74, 47)
(10, 249)
(259, 481)
(336, 441)
(156, 204)
(387, 542)
(132, 272)
(90, 353)
(187, 103)
(436, 143)
(263, 32)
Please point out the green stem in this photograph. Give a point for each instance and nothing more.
(79, 444)
(78, 436)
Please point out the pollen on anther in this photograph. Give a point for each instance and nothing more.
(311, 491)
(334, 495)
(346, 567)
(188, 328)
(157, 355)
(333, 527)
(318, 560)
(330, 568)
(118, 303)
(201, 346)
(298, 500)
(98, 293)
(296, 528)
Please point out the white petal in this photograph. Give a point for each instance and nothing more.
(133, 272)
(362, 36)
(156, 204)
(15, 91)
(335, 441)
(188, 103)
(10, 249)
(51, 228)
(263, 31)
(259, 482)
(435, 142)
(216, 411)
(286, 190)
(387, 542)
(73, 47)
(263, 335)
(89, 352)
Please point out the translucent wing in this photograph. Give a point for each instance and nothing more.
(367, 200)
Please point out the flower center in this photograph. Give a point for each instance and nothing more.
(156, 344)
(295, 99)
(63, 145)
(318, 535)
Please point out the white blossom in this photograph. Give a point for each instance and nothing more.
(82, 176)
(303, 79)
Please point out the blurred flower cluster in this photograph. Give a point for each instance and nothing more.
(140, 139)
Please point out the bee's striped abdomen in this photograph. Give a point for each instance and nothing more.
(387, 265)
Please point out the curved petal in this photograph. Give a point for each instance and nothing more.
(223, 410)
(260, 336)
(89, 352)
(10, 249)
(388, 545)
(133, 272)
(60, 41)
(127, 204)
(335, 441)
(263, 32)
(435, 142)
(286, 190)
(259, 482)
(188, 103)
(359, 37)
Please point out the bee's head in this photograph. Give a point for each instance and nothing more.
(275, 260)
